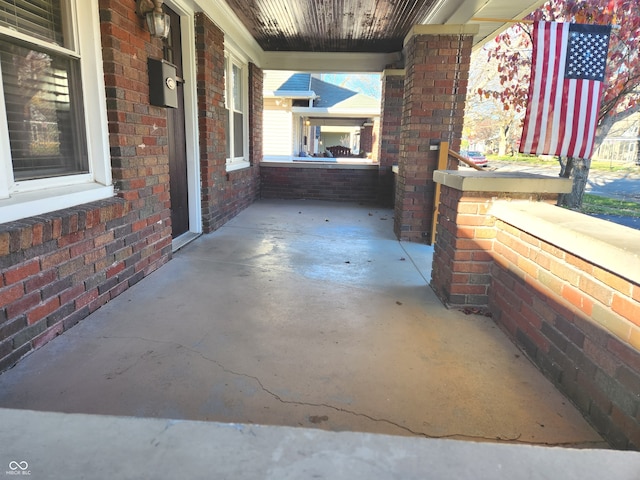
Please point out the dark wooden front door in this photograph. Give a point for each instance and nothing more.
(177, 138)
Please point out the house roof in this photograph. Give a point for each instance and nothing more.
(284, 81)
(326, 95)
(334, 96)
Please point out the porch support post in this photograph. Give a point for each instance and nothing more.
(435, 87)
(464, 249)
(389, 142)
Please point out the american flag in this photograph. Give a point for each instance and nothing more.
(567, 75)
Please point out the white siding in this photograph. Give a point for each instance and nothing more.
(278, 135)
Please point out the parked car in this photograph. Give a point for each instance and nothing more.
(476, 157)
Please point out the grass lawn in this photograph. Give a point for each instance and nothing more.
(608, 206)
(551, 161)
(591, 204)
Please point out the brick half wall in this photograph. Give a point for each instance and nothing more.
(58, 268)
(577, 320)
(349, 183)
(564, 286)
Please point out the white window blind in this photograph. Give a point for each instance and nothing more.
(38, 18)
(42, 93)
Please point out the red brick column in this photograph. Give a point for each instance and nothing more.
(462, 261)
(366, 139)
(463, 252)
(389, 141)
(437, 69)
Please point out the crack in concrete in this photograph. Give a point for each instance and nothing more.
(458, 436)
(169, 423)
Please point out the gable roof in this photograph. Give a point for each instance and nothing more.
(325, 95)
(277, 80)
(331, 96)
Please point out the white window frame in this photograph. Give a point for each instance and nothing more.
(22, 199)
(235, 162)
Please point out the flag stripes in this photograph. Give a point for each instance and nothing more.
(567, 70)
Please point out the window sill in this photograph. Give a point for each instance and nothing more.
(237, 166)
(29, 204)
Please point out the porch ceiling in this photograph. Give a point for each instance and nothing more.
(373, 26)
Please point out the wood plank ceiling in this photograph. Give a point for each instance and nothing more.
(331, 25)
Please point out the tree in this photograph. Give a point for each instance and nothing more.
(484, 113)
(621, 96)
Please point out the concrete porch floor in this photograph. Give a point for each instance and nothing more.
(299, 313)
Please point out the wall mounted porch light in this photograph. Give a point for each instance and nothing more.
(157, 20)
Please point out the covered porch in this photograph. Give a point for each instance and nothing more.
(287, 313)
(300, 314)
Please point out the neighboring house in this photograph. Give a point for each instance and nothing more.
(623, 142)
(304, 115)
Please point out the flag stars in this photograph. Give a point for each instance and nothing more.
(586, 55)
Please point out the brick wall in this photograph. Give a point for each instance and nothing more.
(461, 262)
(573, 319)
(436, 73)
(256, 106)
(366, 139)
(137, 136)
(137, 131)
(389, 141)
(59, 267)
(223, 194)
(577, 321)
(322, 183)
(462, 259)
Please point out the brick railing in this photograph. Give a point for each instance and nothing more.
(565, 287)
(59, 267)
(319, 181)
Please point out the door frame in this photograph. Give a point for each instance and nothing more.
(188, 36)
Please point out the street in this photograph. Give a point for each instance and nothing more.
(618, 185)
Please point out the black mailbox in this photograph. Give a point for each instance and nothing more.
(163, 83)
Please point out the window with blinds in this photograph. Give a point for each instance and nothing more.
(42, 92)
(38, 18)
